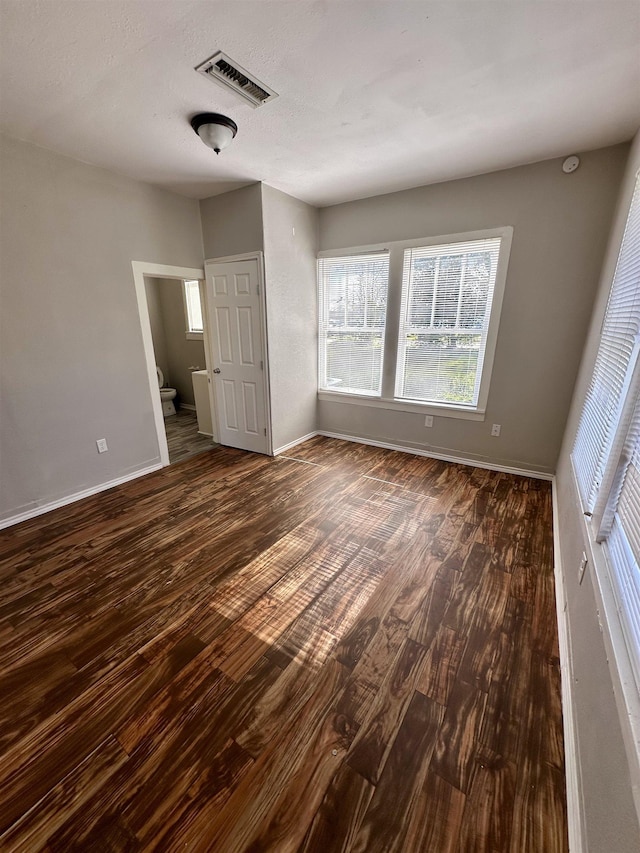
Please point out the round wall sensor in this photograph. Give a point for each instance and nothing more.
(571, 164)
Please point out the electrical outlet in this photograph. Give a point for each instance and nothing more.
(583, 566)
(495, 430)
(102, 445)
(428, 420)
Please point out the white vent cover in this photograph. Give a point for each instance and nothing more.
(221, 67)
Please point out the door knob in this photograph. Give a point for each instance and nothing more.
(216, 370)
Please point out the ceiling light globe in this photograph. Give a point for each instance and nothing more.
(214, 130)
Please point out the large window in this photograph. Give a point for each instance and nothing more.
(606, 453)
(353, 306)
(447, 293)
(441, 313)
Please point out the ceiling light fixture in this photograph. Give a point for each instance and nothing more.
(214, 130)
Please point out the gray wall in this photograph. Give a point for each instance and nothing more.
(259, 218)
(290, 247)
(561, 223)
(181, 354)
(72, 365)
(71, 360)
(152, 290)
(232, 222)
(610, 820)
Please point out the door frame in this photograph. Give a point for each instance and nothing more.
(140, 270)
(230, 259)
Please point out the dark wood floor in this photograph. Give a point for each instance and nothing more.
(183, 438)
(349, 650)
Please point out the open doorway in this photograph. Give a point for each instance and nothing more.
(174, 324)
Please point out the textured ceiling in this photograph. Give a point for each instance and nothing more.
(374, 96)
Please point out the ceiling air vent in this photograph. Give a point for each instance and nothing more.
(221, 67)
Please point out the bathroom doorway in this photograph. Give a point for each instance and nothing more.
(174, 324)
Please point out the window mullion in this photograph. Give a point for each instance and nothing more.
(463, 272)
(394, 301)
(435, 292)
(345, 298)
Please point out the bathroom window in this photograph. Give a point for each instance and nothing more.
(193, 310)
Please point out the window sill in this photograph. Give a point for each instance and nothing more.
(437, 409)
(194, 336)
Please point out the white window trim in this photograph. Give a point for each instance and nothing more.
(621, 667)
(598, 508)
(189, 334)
(326, 329)
(387, 399)
(437, 409)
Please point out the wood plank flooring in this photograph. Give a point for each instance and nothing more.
(349, 649)
(183, 438)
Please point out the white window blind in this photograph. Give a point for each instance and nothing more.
(447, 294)
(615, 362)
(353, 306)
(623, 544)
(606, 453)
(194, 307)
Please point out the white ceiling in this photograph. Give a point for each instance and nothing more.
(374, 96)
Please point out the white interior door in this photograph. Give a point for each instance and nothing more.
(238, 370)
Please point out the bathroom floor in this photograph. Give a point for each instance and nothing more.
(183, 437)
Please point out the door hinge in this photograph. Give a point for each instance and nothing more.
(265, 430)
(262, 365)
(258, 289)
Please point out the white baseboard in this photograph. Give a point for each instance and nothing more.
(76, 496)
(295, 442)
(188, 407)
(459, 460)
(571, 755)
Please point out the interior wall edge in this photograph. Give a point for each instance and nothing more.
(294, 443)
(607, 755)
(41, 509)
(445, 457)
(608, 749)
(573, 772)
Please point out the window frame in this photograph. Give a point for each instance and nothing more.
(325, 328)
(396, 249)
(192, 334)
(604, 536)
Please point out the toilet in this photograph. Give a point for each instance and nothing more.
(167, 395)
